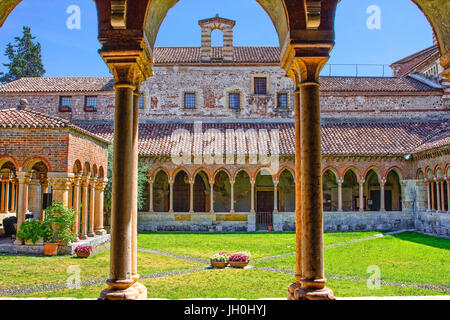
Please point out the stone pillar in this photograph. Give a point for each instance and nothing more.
(433, 204)
(448, 195)
(429, 195)
(5, 197)
(150, 207)
(275, 196)
(252, 200)
(442, 196)
(34, 197)
(312, 270)
(99, 199)
(340, 182)
(232, 196)
(23, 179)
(438, 194)
(191, 196)
(60, 183)
(92, 185)
(85, 208)
(361, 195)
(211, 198)
(382, 200)
(171, 182)
(76, 205)
(13, 195)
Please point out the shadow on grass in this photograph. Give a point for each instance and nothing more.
(419, 238)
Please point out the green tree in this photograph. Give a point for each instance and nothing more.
(25, 59)
(142, 181)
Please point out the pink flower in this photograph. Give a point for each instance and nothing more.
(83, 249)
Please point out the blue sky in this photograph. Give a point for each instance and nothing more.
(404, 30)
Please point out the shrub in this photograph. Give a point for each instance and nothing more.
(61, 219)
(33, 230)
(8, 225)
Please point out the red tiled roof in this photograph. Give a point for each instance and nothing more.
(192, 55)
(372, 84)
(405, 65)
(59, 84)
(337, 138)
(440, 140)
(24, 118)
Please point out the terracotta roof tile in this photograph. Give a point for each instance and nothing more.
(59, 84)
(405, 65)
(23, 118)
(337, 138)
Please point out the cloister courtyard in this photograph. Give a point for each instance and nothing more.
(175, 266)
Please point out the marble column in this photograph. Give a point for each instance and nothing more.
(13, 195)
(171, 182)
(361, 195)
(211, 198)
(150, 207)
(442, 196)
(5, 196)
(191, 196)
(275, 196)
(429, 195)
(99, 212)
(76, 205)
(252, 200)
(433, 204)
(92, 187)
(85, 208)
(340, 182)
(232, 196)
(61, 183)
(382, 200)
(23, 178)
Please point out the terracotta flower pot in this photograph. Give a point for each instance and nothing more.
(219, 265)
(83, 255)
(50, 249)
(239, 264)
(270, 228)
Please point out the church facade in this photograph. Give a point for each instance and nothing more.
(216, 137)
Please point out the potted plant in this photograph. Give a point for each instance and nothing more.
(270, 228)
(220, 260)
(30, 232)
(60, 219)
(239, 260)
(83, 251)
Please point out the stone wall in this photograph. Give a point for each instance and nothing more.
(434, 223)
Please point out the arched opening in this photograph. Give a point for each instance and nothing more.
(8, 189)
(37, 187)
(161, 192)
(217, 38)
(286, 189)
(201, 192)
(350, 191)
(393, 192)
(372, 192)
(330, 191)
(265, 204)
(181, 192)
(222, 192)
(242, 192)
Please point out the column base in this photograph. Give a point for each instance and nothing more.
(100, 232)
(83, 237)
(91, 234)
(311, 294)
(122, 290)
(18, 242)
(291, 290)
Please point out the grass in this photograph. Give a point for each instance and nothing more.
(408, 257)
(258, 244)
(241, 284)
(20, 271)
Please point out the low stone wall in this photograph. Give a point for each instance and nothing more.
(434, 223)
(356, 221)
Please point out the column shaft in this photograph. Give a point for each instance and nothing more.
(429, 195)
(232, 196)
(171, 196)
(84, 210)
(442, 196)
(91, 231)
(211, 198)
(382, 200)
(340, 207)
(275, 198)
(433, 206)
(191, 197)
(134, 184)
(151, 209)
(361, 196)
(99, 199)
(252, 200)
(76, 205)
(22, 200)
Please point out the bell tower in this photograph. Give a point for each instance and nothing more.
(226, 26)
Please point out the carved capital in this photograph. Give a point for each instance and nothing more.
(101, 184)
(60, 183)
(313, 11)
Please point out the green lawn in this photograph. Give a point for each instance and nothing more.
(411, 258)
(258, 244)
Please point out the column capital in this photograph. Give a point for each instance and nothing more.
(211, 182)
(23, 177)
(276, 182)
(383, 181)
(340, 181)
(150, 180)
(232, 182)
(171, 181)
(252, 181)
(307, 69)
(361, 181)
(77, 180)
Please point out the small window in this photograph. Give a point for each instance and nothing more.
(90, 104)
(282, 100)
(65, 104)
(141, 102)
(189, 100)
(234, 101)
(260, 85)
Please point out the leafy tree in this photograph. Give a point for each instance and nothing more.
(142, 181)
(25, 59)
